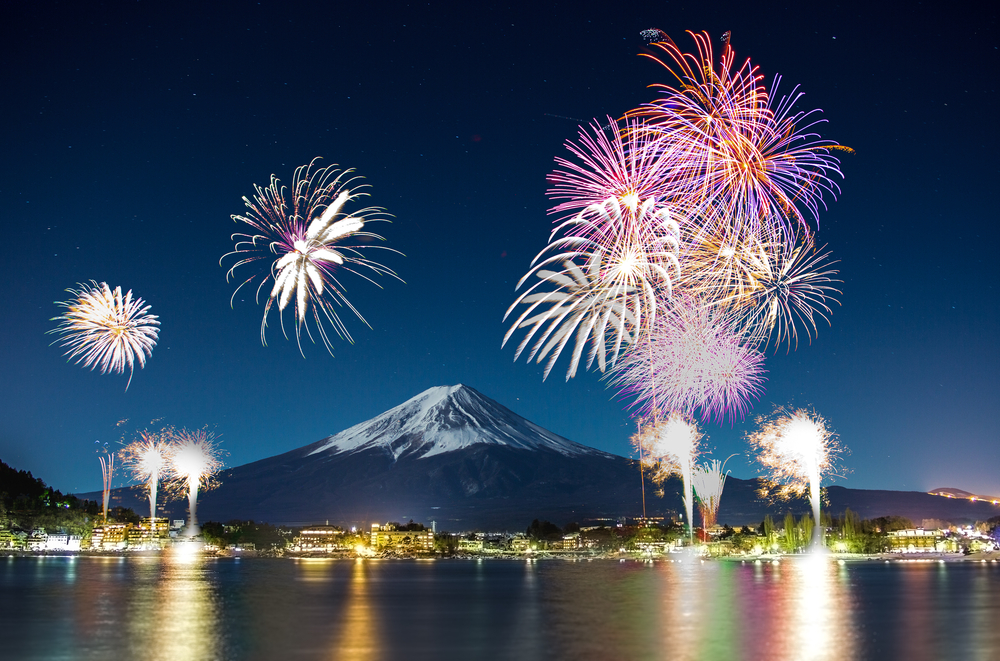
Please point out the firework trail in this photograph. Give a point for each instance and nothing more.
(671, 445)
(303, 243)
(797, 450)
(148, 460)
(195, 458)
(103, 327)
(684, 239)
(709, 480)
(107, 459)
(694, 360)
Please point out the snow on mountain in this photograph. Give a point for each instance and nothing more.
(444, 419)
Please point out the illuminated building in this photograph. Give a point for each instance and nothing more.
(110, 537)
(386, 537)
(470, 545)
(915, 540)
(62, 542)
(150, 534)
(320, 539)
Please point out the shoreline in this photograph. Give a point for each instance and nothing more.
(843, 558)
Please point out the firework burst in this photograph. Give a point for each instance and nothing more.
(612, 298)
(195, 458)
(797, 450)
(611, 163)
(694, 360)
(148, 460)
(771, 289)
(306, 243)
(671, 446)
(744, 164)
(102, 327)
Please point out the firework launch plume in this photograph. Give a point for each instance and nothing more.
(195, 458)
(797, 450)
(709, 479)
(671, 446)
(102, 327)
(306, 244)
(107, 459)
(148, 460)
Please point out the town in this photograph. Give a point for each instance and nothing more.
(640, 538)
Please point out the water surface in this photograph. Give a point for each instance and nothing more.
(161, 608)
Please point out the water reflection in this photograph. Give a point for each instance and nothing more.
(359, 637)
(174, 614)
(818, 610)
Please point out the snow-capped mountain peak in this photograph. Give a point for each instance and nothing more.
(444, 419)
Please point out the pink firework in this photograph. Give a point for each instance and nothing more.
(694, 360)
(612, 163)
(745, 164)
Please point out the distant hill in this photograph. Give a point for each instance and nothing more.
(455, 456)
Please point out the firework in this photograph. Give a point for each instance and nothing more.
(194, 461)
(671, 446)
(709, 480)
(609, 301)
(107, 459)
(612, 163)
(306, 244)
(797, 450)
(148, 459)
(771, 288)
(103, 327)
(694, 360)
(744, 164)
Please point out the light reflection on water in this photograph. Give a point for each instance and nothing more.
(196, 608)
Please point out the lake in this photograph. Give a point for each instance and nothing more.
(258, 608)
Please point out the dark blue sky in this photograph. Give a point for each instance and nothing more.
(132, 130)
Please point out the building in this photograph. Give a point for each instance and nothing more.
(62, 542)
(521, 544)
(150, 534)
(915, 540)
(385, 538)
(320, 539)
(571, 542)
(110, 537)
(470, 545)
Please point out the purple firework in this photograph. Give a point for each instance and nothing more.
(693, 361)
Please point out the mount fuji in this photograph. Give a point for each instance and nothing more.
(450, 455)
(455, 456)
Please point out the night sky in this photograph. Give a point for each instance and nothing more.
(132, 131)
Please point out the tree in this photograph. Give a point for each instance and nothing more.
(543, 530)
(790, 533)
